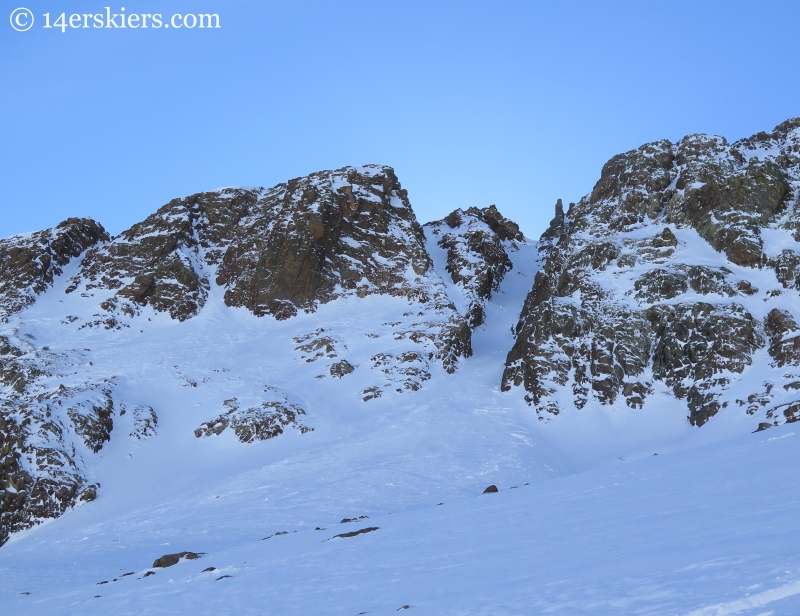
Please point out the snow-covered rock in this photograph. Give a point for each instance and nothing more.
(668, 276)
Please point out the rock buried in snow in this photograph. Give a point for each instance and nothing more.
(149, 573)
(356, 532)
(222, 577)
(763, 426)
(209, 569)
(490, 489)
(172, 559)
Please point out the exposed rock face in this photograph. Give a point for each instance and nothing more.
(45, 430)
(653, 279)
(28, 263)
(329, 234)
(477, 243)
(274, 251)
(164, 261)
(349, 232)
(45, 426)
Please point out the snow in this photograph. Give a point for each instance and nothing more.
(701, 531)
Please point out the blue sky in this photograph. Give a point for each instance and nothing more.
(473, 103)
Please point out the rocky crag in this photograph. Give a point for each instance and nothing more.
(679, 273)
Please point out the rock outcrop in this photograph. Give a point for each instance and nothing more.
(661, 275)
(256, 421)
(29, 262)
(477, 244)
(46, 429)
(332, 234)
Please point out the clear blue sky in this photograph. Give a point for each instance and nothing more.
(473, 103)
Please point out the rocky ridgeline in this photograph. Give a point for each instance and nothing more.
(677, 270)
(332, 234)
(677, 276)
(349, 233)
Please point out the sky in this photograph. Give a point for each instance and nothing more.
(516, 104)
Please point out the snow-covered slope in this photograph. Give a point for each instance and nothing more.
(687, 533)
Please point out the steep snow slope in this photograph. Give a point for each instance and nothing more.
(704, 532)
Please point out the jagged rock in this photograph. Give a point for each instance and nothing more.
(349, 232)
(614, 307)
(44, 432)
(477, 243)
(784, 348)
(29, 262)
(323, 231)
(145, 422)
(408, 370)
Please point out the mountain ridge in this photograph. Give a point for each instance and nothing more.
(670, 290)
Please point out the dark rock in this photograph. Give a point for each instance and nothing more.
(267, 264)
(478, 243)
(89, 494)
(340, 368)
(763, 426)
(28, 263)
(172, 559)
(149, 573)
(222, 577)
(356, 532)
(492, 488)
(784, 348)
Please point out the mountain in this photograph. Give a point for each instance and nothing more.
(332, 237)
(248, 363)
(678, 276)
